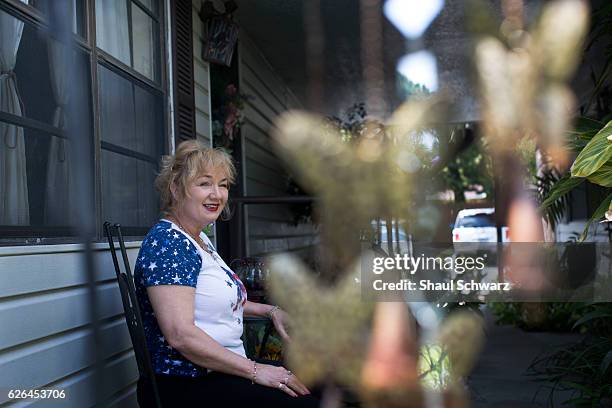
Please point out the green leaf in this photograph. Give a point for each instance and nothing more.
(597, 152)
(598, 314)
(603, 175)
(577, 386)
(560, 189)
(605, 363)
(600, 212)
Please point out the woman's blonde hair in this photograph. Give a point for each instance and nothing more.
(191, 160)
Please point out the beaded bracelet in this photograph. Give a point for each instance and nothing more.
(270, 312)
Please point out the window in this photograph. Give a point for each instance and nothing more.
(129, 31)
(476, 221)
(126, 123)
(78, 13)
(35, 177)
(131, 129)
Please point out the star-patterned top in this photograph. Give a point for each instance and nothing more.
(166, 257)
(170, 257)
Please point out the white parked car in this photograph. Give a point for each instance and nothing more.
(477, 225)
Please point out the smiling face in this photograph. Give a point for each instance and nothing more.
(206, 196)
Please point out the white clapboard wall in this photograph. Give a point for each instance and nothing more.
(269, 227)
(45, 332)
(201, 78)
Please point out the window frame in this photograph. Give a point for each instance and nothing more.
(40, 235)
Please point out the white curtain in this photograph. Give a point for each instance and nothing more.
(112, 28)
(59, 174)
(14, 207)
(143, 44)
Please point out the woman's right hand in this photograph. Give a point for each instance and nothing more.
(280, 378)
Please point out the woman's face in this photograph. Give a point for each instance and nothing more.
(205, 199)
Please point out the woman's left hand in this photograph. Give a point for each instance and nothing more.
(281, 322)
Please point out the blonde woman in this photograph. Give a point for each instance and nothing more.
(193, 304)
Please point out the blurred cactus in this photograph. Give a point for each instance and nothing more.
(329, 325)
(357, 182)
(523, 93)
(523, 84)
(462, 337)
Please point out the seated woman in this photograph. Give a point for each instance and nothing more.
(193, 304)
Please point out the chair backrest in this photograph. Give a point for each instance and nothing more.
(133, 317)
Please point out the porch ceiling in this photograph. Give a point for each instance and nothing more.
(277, 27)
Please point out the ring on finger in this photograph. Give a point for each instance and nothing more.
(280, 386)
(289, 373)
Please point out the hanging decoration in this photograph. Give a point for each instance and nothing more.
(220, 33)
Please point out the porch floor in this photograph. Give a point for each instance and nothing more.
(499, 378)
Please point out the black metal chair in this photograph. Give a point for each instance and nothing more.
(148, 395)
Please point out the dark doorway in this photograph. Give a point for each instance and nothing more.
(226, 104)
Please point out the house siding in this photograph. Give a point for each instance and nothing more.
(269, 227)
(46, 339)
(201, 75)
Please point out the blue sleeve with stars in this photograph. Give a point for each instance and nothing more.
(167, 257)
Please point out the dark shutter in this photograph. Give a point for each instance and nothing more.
(182, 51)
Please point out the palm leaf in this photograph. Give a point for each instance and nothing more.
(596, 314)
(605, 363)
(560, 189)
(544, 184)
(584, 130)
(599, 83)
(599, 213)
